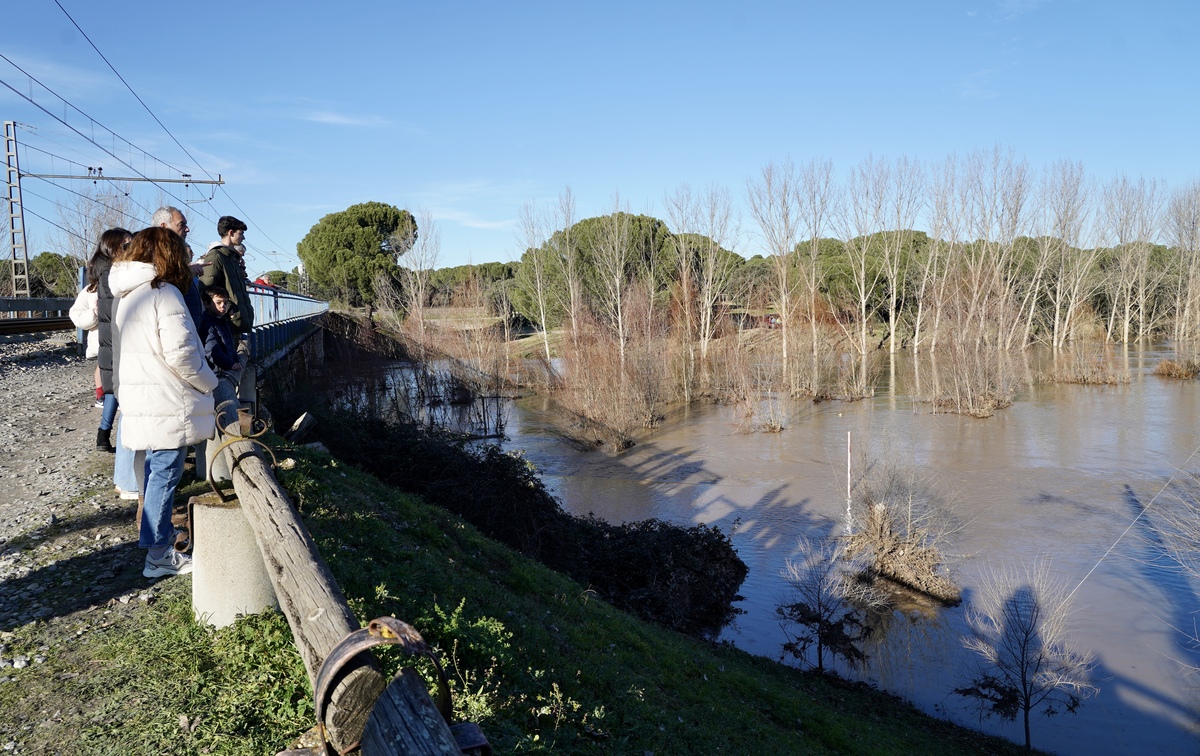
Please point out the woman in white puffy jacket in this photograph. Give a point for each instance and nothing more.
(163, 383)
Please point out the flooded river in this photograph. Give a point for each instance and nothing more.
(1062, 473)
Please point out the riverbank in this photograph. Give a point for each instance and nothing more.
(116, 664)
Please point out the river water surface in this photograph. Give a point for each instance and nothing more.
(1062, 473)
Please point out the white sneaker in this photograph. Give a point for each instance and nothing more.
(173, 563)
(128, 495)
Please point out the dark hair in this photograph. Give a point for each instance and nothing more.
(111, 242)
(215, 291)
(227, 223)
(165, 250)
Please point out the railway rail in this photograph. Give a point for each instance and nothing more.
(20, 315)
(12, 326)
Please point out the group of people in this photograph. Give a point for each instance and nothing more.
(168, 329)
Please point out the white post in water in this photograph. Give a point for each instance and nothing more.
(849, 462)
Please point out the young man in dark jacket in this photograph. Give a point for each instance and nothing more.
(221, 269)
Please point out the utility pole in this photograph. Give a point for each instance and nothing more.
(20, 255)
(16, 223)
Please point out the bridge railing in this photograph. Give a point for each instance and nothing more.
(280, 317)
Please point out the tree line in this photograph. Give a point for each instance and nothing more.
(1008, 256)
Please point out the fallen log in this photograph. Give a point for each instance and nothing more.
(309, 597)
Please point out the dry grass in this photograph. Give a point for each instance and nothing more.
(1180, 369)
(1089, 365)
(613, 399)
(970, 380)
(899, 528)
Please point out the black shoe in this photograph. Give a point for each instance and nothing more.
(102, 442)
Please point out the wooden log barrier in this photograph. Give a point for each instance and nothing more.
(308, 595)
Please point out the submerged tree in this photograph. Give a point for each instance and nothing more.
(1026, 660)
(899, 525)
(827, 615)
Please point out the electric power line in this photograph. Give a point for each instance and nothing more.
(160, 123)
(52, 223)
(86, 197)
(42, 108)
(273, 256)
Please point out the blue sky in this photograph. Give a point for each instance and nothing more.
(468, 110)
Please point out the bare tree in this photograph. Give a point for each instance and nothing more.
(534, 273)
(774, 203)
(422, 258)
(818, 201)
(612, 253)
(996, 192)
(565, 249)
(82, 217)
(1066, 196)
(904, 188)
(1027, 661)
(704, 225)
(718, 228)
(825, 609)
(1183, 223)
(683, 215)
(865, 210)
(944, 230)
(1130, 215)
(90, 212)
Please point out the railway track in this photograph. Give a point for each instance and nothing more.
(11, 326)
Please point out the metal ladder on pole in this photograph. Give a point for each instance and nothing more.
(16, 222)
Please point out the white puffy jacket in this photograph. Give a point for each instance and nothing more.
(163, 383)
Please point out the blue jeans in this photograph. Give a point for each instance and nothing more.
(164, 468)
(127, 474)
(109, 413)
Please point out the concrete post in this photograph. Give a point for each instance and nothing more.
(229, 577)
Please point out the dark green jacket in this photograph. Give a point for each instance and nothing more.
(221, 269)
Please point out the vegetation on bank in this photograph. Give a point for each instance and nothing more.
(535, 658)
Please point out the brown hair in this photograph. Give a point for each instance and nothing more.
(111, 242)
(162, 248)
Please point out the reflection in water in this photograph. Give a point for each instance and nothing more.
(1062, 472)
(432, 396)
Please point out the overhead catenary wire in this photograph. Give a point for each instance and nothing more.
(99, 177)
(92, 121)
(91, 140)
(87, 197)
(52, 223)
(221, 187)
(42, 108)
(96, 144)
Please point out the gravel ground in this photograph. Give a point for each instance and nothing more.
(46, 435)
(64, 534)
(69, 561)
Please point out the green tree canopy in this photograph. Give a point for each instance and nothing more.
(345, 251)
(54, 275)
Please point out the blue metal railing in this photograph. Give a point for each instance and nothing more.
(280, 318)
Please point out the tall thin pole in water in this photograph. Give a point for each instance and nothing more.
(849, 521)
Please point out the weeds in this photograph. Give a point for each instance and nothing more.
(1184, 370)
(899, 528)
(1090, 366)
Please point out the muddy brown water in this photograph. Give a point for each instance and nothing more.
(1062, 473)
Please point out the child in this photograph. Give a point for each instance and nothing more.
(220, 345)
